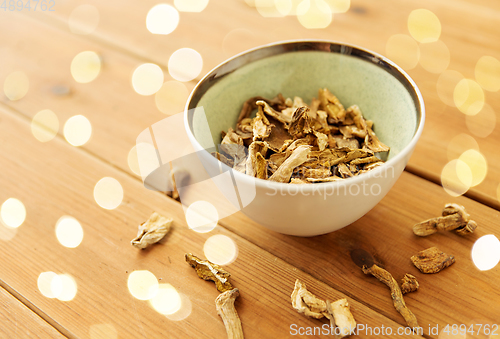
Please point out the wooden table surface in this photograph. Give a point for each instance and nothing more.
(54, 179)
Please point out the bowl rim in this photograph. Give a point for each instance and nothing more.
(254, 54)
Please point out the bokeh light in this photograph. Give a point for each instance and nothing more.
(487, 73)
(486, 252)
(143, 159)
(202, 216)
(477, 164)
(339, 6)
(403, 50)
(69, 232)
(143, 285)
(45, 125)
(63, 287)
(171, 97)
(167, 300)
(16, 85)
(459, 144)
(185, 64)
(284, 7)
(147, 79)
(314, 14)
(83, 19)
(468, 97)
(456, 178)
(184, 311)
(103, 331)
(77, 130)
(220, 249)
(162, 19)
(85, 67)
(483, 123)
(424, 25)
(434, 56)
(108, 193)
(13, 212)
(446, 84)
(269, 8)
(190, 5)
(44, 283)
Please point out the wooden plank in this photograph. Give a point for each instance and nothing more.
(468, 30)
(18, 321)
(116, 112)
(274, 243)
(460, 294)
(56, 179)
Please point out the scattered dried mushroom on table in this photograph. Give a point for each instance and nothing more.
(396, 294)
(454, 218)
(337, 312)
(152, 231)
(409, 283)
(290, 141)
(226, 310)
(207, 270)
(432, 260)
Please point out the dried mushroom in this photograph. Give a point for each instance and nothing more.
(432, 260)
(396, 294)
(454, 218)
(290, 141)
(337, 312)
(306, 302)
(226, 310)
(207, 270)
(409, 284)
(341, 313)
(152, 231)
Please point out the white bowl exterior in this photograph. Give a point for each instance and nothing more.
(309, 213)
(317, 208)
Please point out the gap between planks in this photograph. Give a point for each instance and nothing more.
(33, 308)
(60, 24)
(232, 230)
(54, 323)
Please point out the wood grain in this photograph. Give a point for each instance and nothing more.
(118, 114)
(18, 321)
(101, 264)
(385, 236)
(468, 29)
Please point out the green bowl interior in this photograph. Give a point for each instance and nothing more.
(380, 96)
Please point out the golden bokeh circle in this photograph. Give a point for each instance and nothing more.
(487, 73)
(16, 85)
(314, 14)
(468, 97)
(85, 67)
(477, 164)
(45, 125)
(77, 130)
(456, 178)
(424, 25)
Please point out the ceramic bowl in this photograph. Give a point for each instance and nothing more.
(383, 91)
